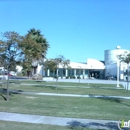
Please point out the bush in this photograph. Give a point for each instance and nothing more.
(67, 77)
(20, 74)
(56, 77)
(24, 73)
(78, 77)
(74, 77)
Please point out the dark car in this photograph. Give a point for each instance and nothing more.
(111, 78)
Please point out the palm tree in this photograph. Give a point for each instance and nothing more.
(35, 47)
(39, 38)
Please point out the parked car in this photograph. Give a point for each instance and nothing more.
(111, 78)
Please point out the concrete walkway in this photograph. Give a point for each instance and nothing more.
(68, 95)
(98, 81)
(75, 95)
(71, 122)
(62, 86)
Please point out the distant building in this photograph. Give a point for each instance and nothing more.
(93, 68)
(111, 59)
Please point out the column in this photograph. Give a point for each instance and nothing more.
(83, 73)
(74, 72)
(48, 72)
(66, 72)
(57, 73)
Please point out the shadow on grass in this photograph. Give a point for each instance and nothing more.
(40, 81)
(4, 90)
(107, 88)
(53, 87)
(11, 82)
(120, 101)
(3, 96)
(46, 86)
(76, 125)
(110, 99)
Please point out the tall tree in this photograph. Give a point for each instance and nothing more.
(126, 59)
(60, 60)
(10, 53)
(50, 65)
(34, 46)
(65, 63)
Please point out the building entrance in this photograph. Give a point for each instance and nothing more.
(94, 74)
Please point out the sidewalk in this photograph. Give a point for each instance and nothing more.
(62, 86)
(68, 95)
(71, 122)
(74, 95)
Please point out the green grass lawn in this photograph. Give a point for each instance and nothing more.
(70, 88)
(4, 125)
(90, 108)
(63, 83)
(28, 126)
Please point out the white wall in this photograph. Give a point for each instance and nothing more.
(111, 70)
(110, 57)
(19, 68)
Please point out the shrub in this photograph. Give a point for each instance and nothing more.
(74, 77)
(67, 77)
(78, 77)
(71, 77)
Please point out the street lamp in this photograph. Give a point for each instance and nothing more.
(117, 85)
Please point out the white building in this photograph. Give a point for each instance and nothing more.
(91, 69)
(113, 64)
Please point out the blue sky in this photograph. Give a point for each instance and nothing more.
(77, 29)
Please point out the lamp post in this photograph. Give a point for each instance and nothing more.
(117, 85)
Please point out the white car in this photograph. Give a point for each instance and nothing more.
(13, 73)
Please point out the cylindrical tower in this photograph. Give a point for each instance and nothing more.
(113, 66)
(111, 55)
